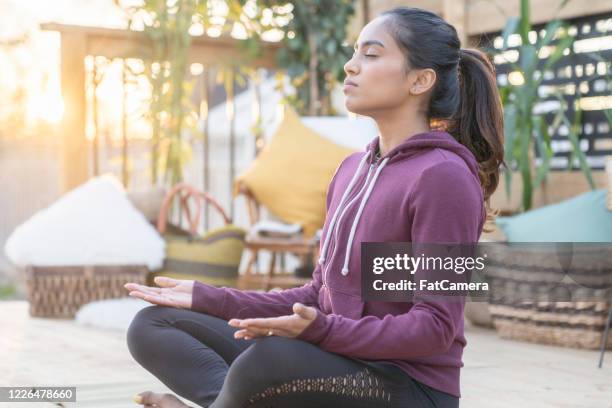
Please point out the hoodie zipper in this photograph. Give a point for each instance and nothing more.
(337, 226)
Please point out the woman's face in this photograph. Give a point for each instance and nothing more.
(378, 70)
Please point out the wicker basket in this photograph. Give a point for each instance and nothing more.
(521, 277)
(569, 324)
(59, 291)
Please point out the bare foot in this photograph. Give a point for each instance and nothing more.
(152, 399)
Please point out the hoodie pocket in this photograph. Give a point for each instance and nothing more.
(349, 306)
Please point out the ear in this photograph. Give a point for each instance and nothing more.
(424, 81)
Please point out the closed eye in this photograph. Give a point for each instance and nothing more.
(365, 55)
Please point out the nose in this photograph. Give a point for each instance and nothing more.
(350, 68)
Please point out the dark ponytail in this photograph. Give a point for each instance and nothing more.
(465, 100)
(478, 122)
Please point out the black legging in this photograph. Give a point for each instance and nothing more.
(197, 357)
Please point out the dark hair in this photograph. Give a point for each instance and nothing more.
(465, 100)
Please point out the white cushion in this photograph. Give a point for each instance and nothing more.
(94, 224)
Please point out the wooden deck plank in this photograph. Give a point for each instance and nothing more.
(497, 372)
(513, 373)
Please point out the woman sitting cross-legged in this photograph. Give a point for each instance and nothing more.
(321, 345)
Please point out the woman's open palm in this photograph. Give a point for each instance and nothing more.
(171, 292)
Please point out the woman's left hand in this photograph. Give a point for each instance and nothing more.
(286, 326)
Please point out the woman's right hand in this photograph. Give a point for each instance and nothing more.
(171, 292)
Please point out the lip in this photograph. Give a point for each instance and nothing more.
(348, 85)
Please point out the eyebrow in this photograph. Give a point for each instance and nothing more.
(369, 42)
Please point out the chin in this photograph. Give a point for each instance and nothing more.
(354, 107)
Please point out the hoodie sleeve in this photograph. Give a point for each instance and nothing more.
(228, 303)
(444, 206)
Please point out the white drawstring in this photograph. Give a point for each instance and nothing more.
(347, 255)
(346, 192)
(350, 203)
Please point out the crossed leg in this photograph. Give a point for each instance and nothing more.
(197, 357)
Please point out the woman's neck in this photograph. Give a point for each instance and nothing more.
(396, 128)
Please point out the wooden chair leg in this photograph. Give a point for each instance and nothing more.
(249, 278)
(267, 283)
(249, 268)
(272, 264)
(604, 339)
(283, 262)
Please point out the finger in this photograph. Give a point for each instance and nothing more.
(130, 286)
(153, 298)
(144, 291)
(305, 312)
(284, 326)
(142, 288)
(264, 321)
(234, 322)
(255, 331)
(166, 282)
(150, 289)
(248, 334)
(251, 332)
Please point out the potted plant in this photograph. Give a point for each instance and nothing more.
(525, 127)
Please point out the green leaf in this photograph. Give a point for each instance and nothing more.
(509, 28)
(543, 141)
(550, 30)
(524, 160)
(525, 21)
(563, 44)
(608, 115)
(510, 119)
(574, 138)
(528, 61)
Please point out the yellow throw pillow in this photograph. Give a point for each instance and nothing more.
(291, 174)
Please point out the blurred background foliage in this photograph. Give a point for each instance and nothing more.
(313, 53)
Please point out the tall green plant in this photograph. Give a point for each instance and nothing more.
(316, 52)
(523, 127)
(608, 77)
(313, 57)
(167, 26)
(315, 48)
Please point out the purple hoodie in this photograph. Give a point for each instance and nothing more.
(424, 190)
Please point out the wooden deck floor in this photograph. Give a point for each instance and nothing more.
(497, 372)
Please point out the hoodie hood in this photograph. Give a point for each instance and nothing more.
(425, 141)
(410, 147)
